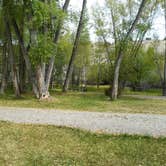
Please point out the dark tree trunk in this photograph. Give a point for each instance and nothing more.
(164, 81)
(52, 60)
(22, 72)
(4, 69)
(114, 89)
(26, 57)
(74, 51)
(12, 60)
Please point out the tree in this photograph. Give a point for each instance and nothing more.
(7, 6)
(42, 47)
(114, 91)
(164, 81)
(75, 46)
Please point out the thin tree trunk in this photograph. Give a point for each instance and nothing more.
(12, 61)
(26, 58)
(114, 91)
(164, 81)
(52, 60)
(22, 72)
(4, 69)
(22, 68)
(74, 51)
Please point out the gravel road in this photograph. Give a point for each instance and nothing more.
(112, 123)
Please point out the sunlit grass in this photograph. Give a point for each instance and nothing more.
(150, 92)
(48, 145)
(93, 100)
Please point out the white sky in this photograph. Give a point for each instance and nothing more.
(158, 26)
(90, 3)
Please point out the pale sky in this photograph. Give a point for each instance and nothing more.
(158, 26)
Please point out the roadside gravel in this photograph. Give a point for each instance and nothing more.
(112, 123)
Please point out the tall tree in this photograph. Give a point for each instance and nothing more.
(12, 59)
(114, 90)
(164, 81)
(57, 34)
(41, 46)
(75, 46)
(7, 7)
(4, 68)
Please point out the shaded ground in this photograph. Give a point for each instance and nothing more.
(113, 123)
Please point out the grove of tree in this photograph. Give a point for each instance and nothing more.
(47, 44)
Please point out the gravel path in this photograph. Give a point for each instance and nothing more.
(113, 123)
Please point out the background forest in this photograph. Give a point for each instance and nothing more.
(46, 44)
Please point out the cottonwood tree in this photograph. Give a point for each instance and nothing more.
(44, 22)
(7, 8)
(123, 30)
(164, 80)
(75, 46)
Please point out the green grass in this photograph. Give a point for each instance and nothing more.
(150, 92)
(87, 101)
(37, 145)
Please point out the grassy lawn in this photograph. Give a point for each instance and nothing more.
(150, 92)
(36, 145)
(92, 100)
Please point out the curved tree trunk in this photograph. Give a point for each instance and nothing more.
(164, 81)
(57, 34)
(12, 60)
(26, 57)
(4, 69)
(114, 91)
(74, 51)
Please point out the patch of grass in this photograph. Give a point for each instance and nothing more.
(149, 92)
(48, 145)
(87, 101)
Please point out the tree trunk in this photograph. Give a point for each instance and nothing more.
(26, 58)
(164, 81)
(41, 82)
(114, 89)
(12, 61)
(74, 51)
(4, 69)
(52, 60)
(22, 72)
(98, 75)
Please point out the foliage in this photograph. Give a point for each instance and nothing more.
(43, 49)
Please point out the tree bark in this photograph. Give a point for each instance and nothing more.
(114, 89)
(4, 69)
(12, 61)
(164, 81)
(74, 51)
(22, 72)
(41, 82)
(52, 60)
(26, 57)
